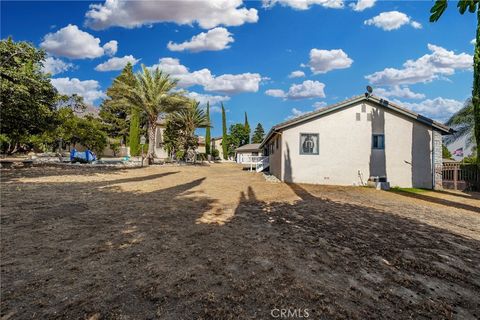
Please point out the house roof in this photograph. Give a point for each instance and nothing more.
(249, 147)
(346, 103)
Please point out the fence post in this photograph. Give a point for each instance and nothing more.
(455, 177)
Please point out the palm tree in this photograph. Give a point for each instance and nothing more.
(463, 123)
(472, 6)
(153, 92)
(190, 118)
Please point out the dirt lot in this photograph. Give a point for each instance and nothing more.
(213, 242)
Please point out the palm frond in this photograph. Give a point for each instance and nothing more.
(438, 9)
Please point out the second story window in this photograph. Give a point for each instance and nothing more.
(378, 141)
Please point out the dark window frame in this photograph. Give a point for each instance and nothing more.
(300, 143)
(373, 141)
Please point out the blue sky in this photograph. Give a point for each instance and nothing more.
(244, 53)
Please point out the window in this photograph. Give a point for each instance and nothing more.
(276, 142)
(309, 143)
(378, 141)
(358, 116)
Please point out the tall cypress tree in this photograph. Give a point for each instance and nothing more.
(247, 126)
(207, 131)
(134, 134)
(224, 135)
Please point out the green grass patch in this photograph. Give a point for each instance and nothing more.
(409, 190)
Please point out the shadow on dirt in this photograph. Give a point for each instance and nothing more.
(436, 200)
(142, 255)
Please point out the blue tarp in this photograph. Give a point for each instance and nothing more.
(86, 156)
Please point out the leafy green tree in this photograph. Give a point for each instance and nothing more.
(446, 154)
(114, 110)
(71, 130)
(89, 133)
(208, 137)
(134, 134)
(238, 137)
(115, 146)
(190, 118)
(28, 99)
(153, 92)
(224, 134)
(258, 134)
(473, 6)
(171, 136)
(247, 127)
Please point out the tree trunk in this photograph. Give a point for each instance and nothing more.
(152, 126)
(476, 87)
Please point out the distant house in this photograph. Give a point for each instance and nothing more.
(216, 144)
(355, 140)
(246, 152)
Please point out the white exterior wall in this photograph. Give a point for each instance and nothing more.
(345, 149)
(276, 157)
(160, 152)
(217, 144)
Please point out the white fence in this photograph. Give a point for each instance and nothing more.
(258, 162)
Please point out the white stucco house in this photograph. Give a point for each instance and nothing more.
(355, 140)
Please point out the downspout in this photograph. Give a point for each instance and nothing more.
(433, 159)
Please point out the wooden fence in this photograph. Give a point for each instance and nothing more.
(458, 176)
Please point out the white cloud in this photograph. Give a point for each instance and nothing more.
(116, 63)
(362, 5)
(233, 83)
(204, 98)
(392, 20)
(297, 74)
(214, 40)
(74, 43)
(439, 108)
(440, 62)
(55, 66)
(322, 61)
(319, 104)
(207, 13)
(277, 93)
(474, 41)
(399, 92)
(88, 89)
(226, 83)
(296, 113)
(304, 4)
(305, 90)
(111, 47)
(416, 25)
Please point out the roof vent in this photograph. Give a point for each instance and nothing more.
(384, 102)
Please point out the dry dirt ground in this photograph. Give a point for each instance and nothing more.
(216, 242)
